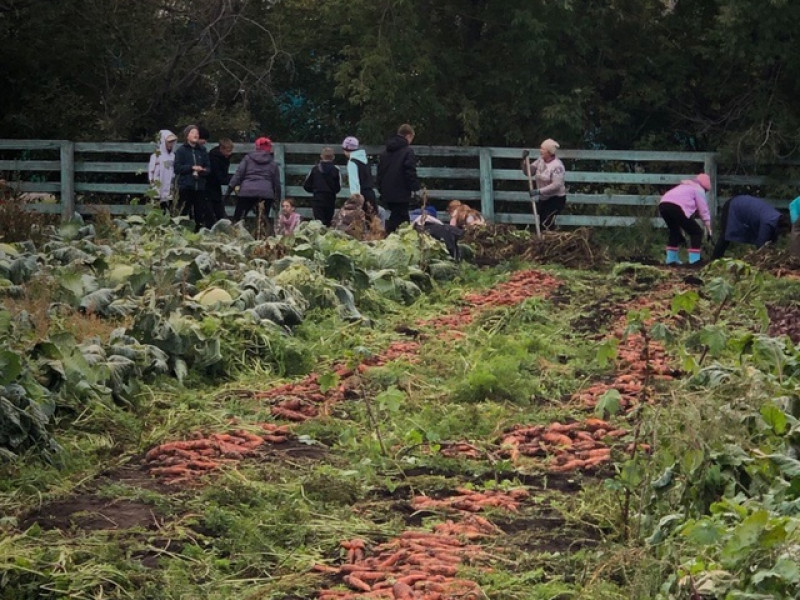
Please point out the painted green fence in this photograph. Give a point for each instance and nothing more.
(606, 188)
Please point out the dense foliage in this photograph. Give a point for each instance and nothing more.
(651, 74)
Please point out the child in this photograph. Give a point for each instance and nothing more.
(159, 172)
(678, 207)
(351, 217)
(463, 216)
(288, 219)
(323, 181)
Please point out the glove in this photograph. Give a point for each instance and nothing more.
(525, 154)
(534, 193)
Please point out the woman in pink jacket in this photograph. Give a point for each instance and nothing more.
(678, 207)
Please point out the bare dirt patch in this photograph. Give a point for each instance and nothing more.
(89, 512)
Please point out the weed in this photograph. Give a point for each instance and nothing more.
(17, 224)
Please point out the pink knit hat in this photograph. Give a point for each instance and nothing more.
(350, 143)
(704, 180)
(264, 143)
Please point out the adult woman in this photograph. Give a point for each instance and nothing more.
(548, 173)
(258, 180)
(678, 207)
(191, 167)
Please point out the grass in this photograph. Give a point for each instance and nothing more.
(254, 529)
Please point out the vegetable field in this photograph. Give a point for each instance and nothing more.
(211, 416)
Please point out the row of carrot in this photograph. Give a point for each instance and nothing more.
(473, 501)
(417, 565)
(570, 446)
(187, 460)
(520, 286)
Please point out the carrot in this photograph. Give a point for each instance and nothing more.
(176, 471)
(605, 452)
(392, 559)
(617, 433)
(357, 583)
(368, 575)
(568, 466)
(595, 424)
(275, 439)
(557, 438)
(402, 591)
(320, 568)
(286, 413)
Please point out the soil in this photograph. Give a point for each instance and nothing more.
(88, 512)
(293, 449)
(597, 316)
(550, 533)
(784, 320)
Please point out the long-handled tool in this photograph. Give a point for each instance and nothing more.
(530, 190)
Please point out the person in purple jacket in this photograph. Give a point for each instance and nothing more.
(258, 180)
(749, 220)
(678, 207)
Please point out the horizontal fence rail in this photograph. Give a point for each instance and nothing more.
(606, 188)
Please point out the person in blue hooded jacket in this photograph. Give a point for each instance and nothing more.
(749, 220)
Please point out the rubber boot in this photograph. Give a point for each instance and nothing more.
(672, 256)
(694, 256)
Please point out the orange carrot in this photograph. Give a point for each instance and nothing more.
(402, 591)
(357, 583)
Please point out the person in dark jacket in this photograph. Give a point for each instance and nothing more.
(191, 168)
(324, 182)
(749, 220)
(359, 175)
(258, 180)
(220, 160)
(397, 176)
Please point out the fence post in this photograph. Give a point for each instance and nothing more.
(487, 184)
(710, 169)
(67, 159)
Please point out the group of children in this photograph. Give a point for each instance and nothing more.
(199, 177)
(745, 219)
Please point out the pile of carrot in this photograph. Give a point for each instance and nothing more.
(448, 322)
(521, 286)
(631, 358)
(570, 446)
(304, 399)
(416, 565)
(630, 391)
(189, 459)
(473, 501)
(395, 351)
(460, 449)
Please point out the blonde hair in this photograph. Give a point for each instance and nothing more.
(550, 145)
(225, 144)
(453, 204)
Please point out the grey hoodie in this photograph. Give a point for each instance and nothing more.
(257, 176)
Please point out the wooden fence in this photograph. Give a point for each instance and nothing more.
(605, 188)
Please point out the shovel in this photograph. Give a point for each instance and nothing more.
(530, 189)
